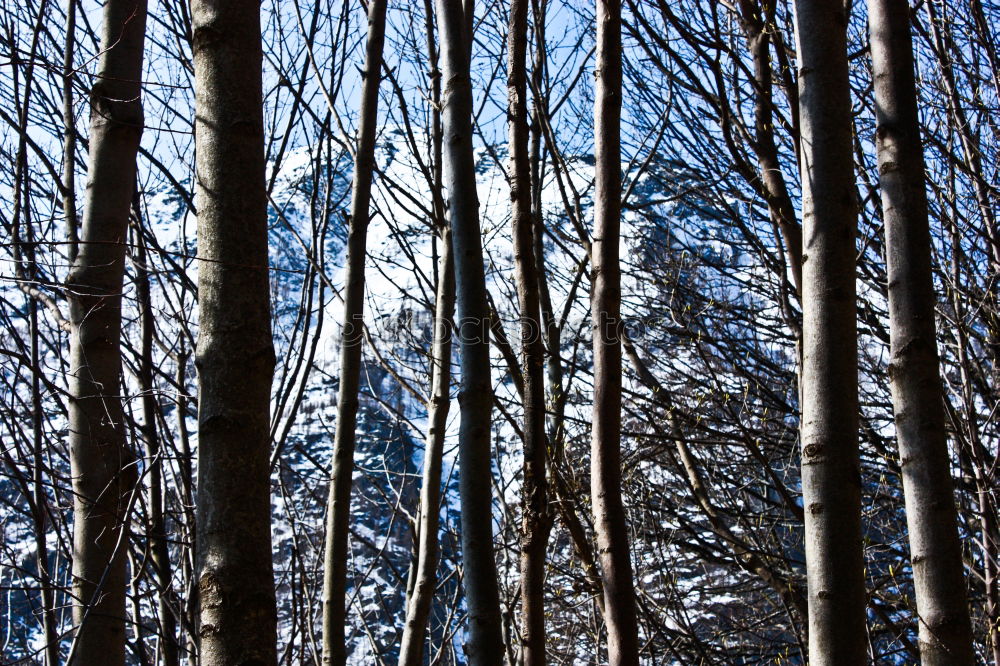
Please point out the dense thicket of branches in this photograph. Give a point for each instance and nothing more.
(723, 281)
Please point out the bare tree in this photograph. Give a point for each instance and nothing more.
(831, 484)
(935, 551)
(710, 449)
(157, 528)
(235, 353)
(535, 520)
(339, 502)
(605, 453)
(757, 19)
(102, 463)
(425, 577)
(424, 573)
(485, 645)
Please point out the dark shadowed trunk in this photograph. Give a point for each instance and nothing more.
(102, 465)
(535, 521)
(235, 353)
(156, 529)
(338, 509)
(605, 462)
(426, 530)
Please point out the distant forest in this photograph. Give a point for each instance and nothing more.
(499, 332)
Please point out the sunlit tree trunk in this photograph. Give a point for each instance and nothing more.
(831, 484)
(102, 465)
(484, 645)
(935, 550)
(338, 510)
(235, 353)
(605, 462)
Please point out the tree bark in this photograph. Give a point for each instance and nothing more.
(914, 375)
(424, 573)
(831, 484)
(235, 353)
(535, 520)
(157, 530)
(101, 462)
(338, 511)
(605, 452)
(485, 644)
(69, 138)
(419, 605)
(758, 21)
(40, 501)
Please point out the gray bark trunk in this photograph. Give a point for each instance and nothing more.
(485, 644)
(338, 511)
(39, 506)
(425, 577)
(605, 462)
(831, 484)
(235, 353)
(423, 574)
(69, 138)
(535, 520)
(156, 529)
(103, 474)
(935, 550)
(756, 18)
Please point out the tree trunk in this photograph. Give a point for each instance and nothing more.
(935, 550)
(40, 501)
(102, 469)
(757, 19)
(69, 138)
(425, 578)
(535, 522)
(485, 644)
(338, 510)
(605, 462)
(831, 484)
(189, 607)
(235, 353)
(424, 573)
(157, 530)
